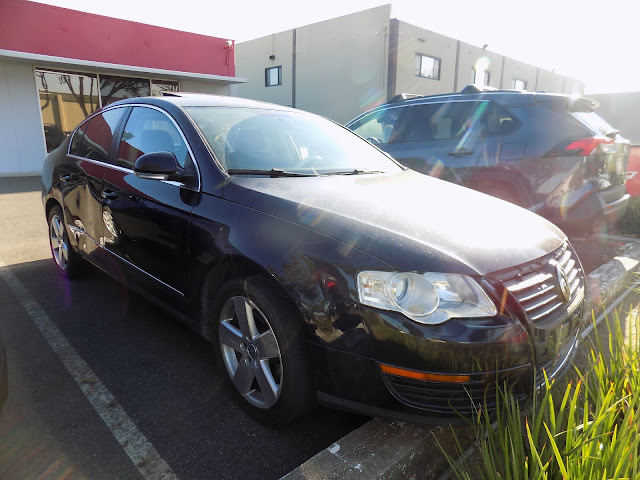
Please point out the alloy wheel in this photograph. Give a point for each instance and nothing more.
(250, 352)
(59, 244)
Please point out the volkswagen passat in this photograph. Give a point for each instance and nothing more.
(318, 267)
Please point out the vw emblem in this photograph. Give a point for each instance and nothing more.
(563, 283)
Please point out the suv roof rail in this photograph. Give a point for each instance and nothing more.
(401, 97)
(475, 88)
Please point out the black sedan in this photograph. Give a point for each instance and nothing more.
(318, 267)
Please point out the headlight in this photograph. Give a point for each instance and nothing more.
(430, 298)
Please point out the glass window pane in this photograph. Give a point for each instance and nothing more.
(159, 86)
(379, 127)
(98, 135)
(114, 88)
(274, 76)
(148, 130)
(426, 69)
(65, 100)
(444, 121)
(252, 138)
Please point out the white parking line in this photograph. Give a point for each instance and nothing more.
(145, 458)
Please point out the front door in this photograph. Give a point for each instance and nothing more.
(146, 222)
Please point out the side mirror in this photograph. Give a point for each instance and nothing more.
(156, 166)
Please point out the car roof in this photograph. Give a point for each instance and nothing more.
(202, 100)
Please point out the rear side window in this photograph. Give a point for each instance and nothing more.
(444, 121)
(499, 121)
(379, 127)
(149, 130)
(98, 136)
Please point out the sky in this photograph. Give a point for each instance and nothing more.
(593, 41)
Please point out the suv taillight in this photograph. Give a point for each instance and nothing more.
(588, 146)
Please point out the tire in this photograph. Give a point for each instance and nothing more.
(259, 342)
(65, 258)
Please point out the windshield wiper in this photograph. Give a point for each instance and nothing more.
(355, 172)
(274, 172)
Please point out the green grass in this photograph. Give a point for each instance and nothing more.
(629, 224)
(586, 429)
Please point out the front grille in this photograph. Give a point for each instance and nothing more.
(536, 286)
(443, 398)
(553, 319)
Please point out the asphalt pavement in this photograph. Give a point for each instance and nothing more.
(158, 373)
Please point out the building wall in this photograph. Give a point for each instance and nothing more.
(414, 40)
(344, 66)
(514, 69)
(252, 58)
(472, 56)
(550, 81)
(201, 86)
(59, 32)
(340, 65)
(621, 111)
(22, 147)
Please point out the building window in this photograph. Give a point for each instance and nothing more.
(519, 84)
(480, 77)
(427, 67)
(273, 76)
(67, 98)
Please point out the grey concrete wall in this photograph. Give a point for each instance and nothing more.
(621, 111)
(22, 145)
(550, 81)
(252, 58)
(341, 64)
(522, 71)
(414, 40)
(204, 86)
(470, 56)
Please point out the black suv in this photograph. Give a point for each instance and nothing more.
(549, 153)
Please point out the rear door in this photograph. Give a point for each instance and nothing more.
(146, 222)
(442, 139)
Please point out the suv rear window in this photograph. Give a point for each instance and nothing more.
(594, 122)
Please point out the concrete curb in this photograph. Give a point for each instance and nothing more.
(386, 449)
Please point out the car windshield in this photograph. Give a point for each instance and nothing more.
(246, 140)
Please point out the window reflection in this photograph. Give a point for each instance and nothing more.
(159, 86)
(65, 100)
(114, 88)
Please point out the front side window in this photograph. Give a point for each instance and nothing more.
(519, 84)
(427, 67)
(379, 127)
(263, 139)
(273, 76)
(148, 130)
(98, 135)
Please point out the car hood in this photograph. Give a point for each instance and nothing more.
(408, 220)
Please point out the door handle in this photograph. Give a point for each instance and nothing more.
(109, 194)
(461, 152)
